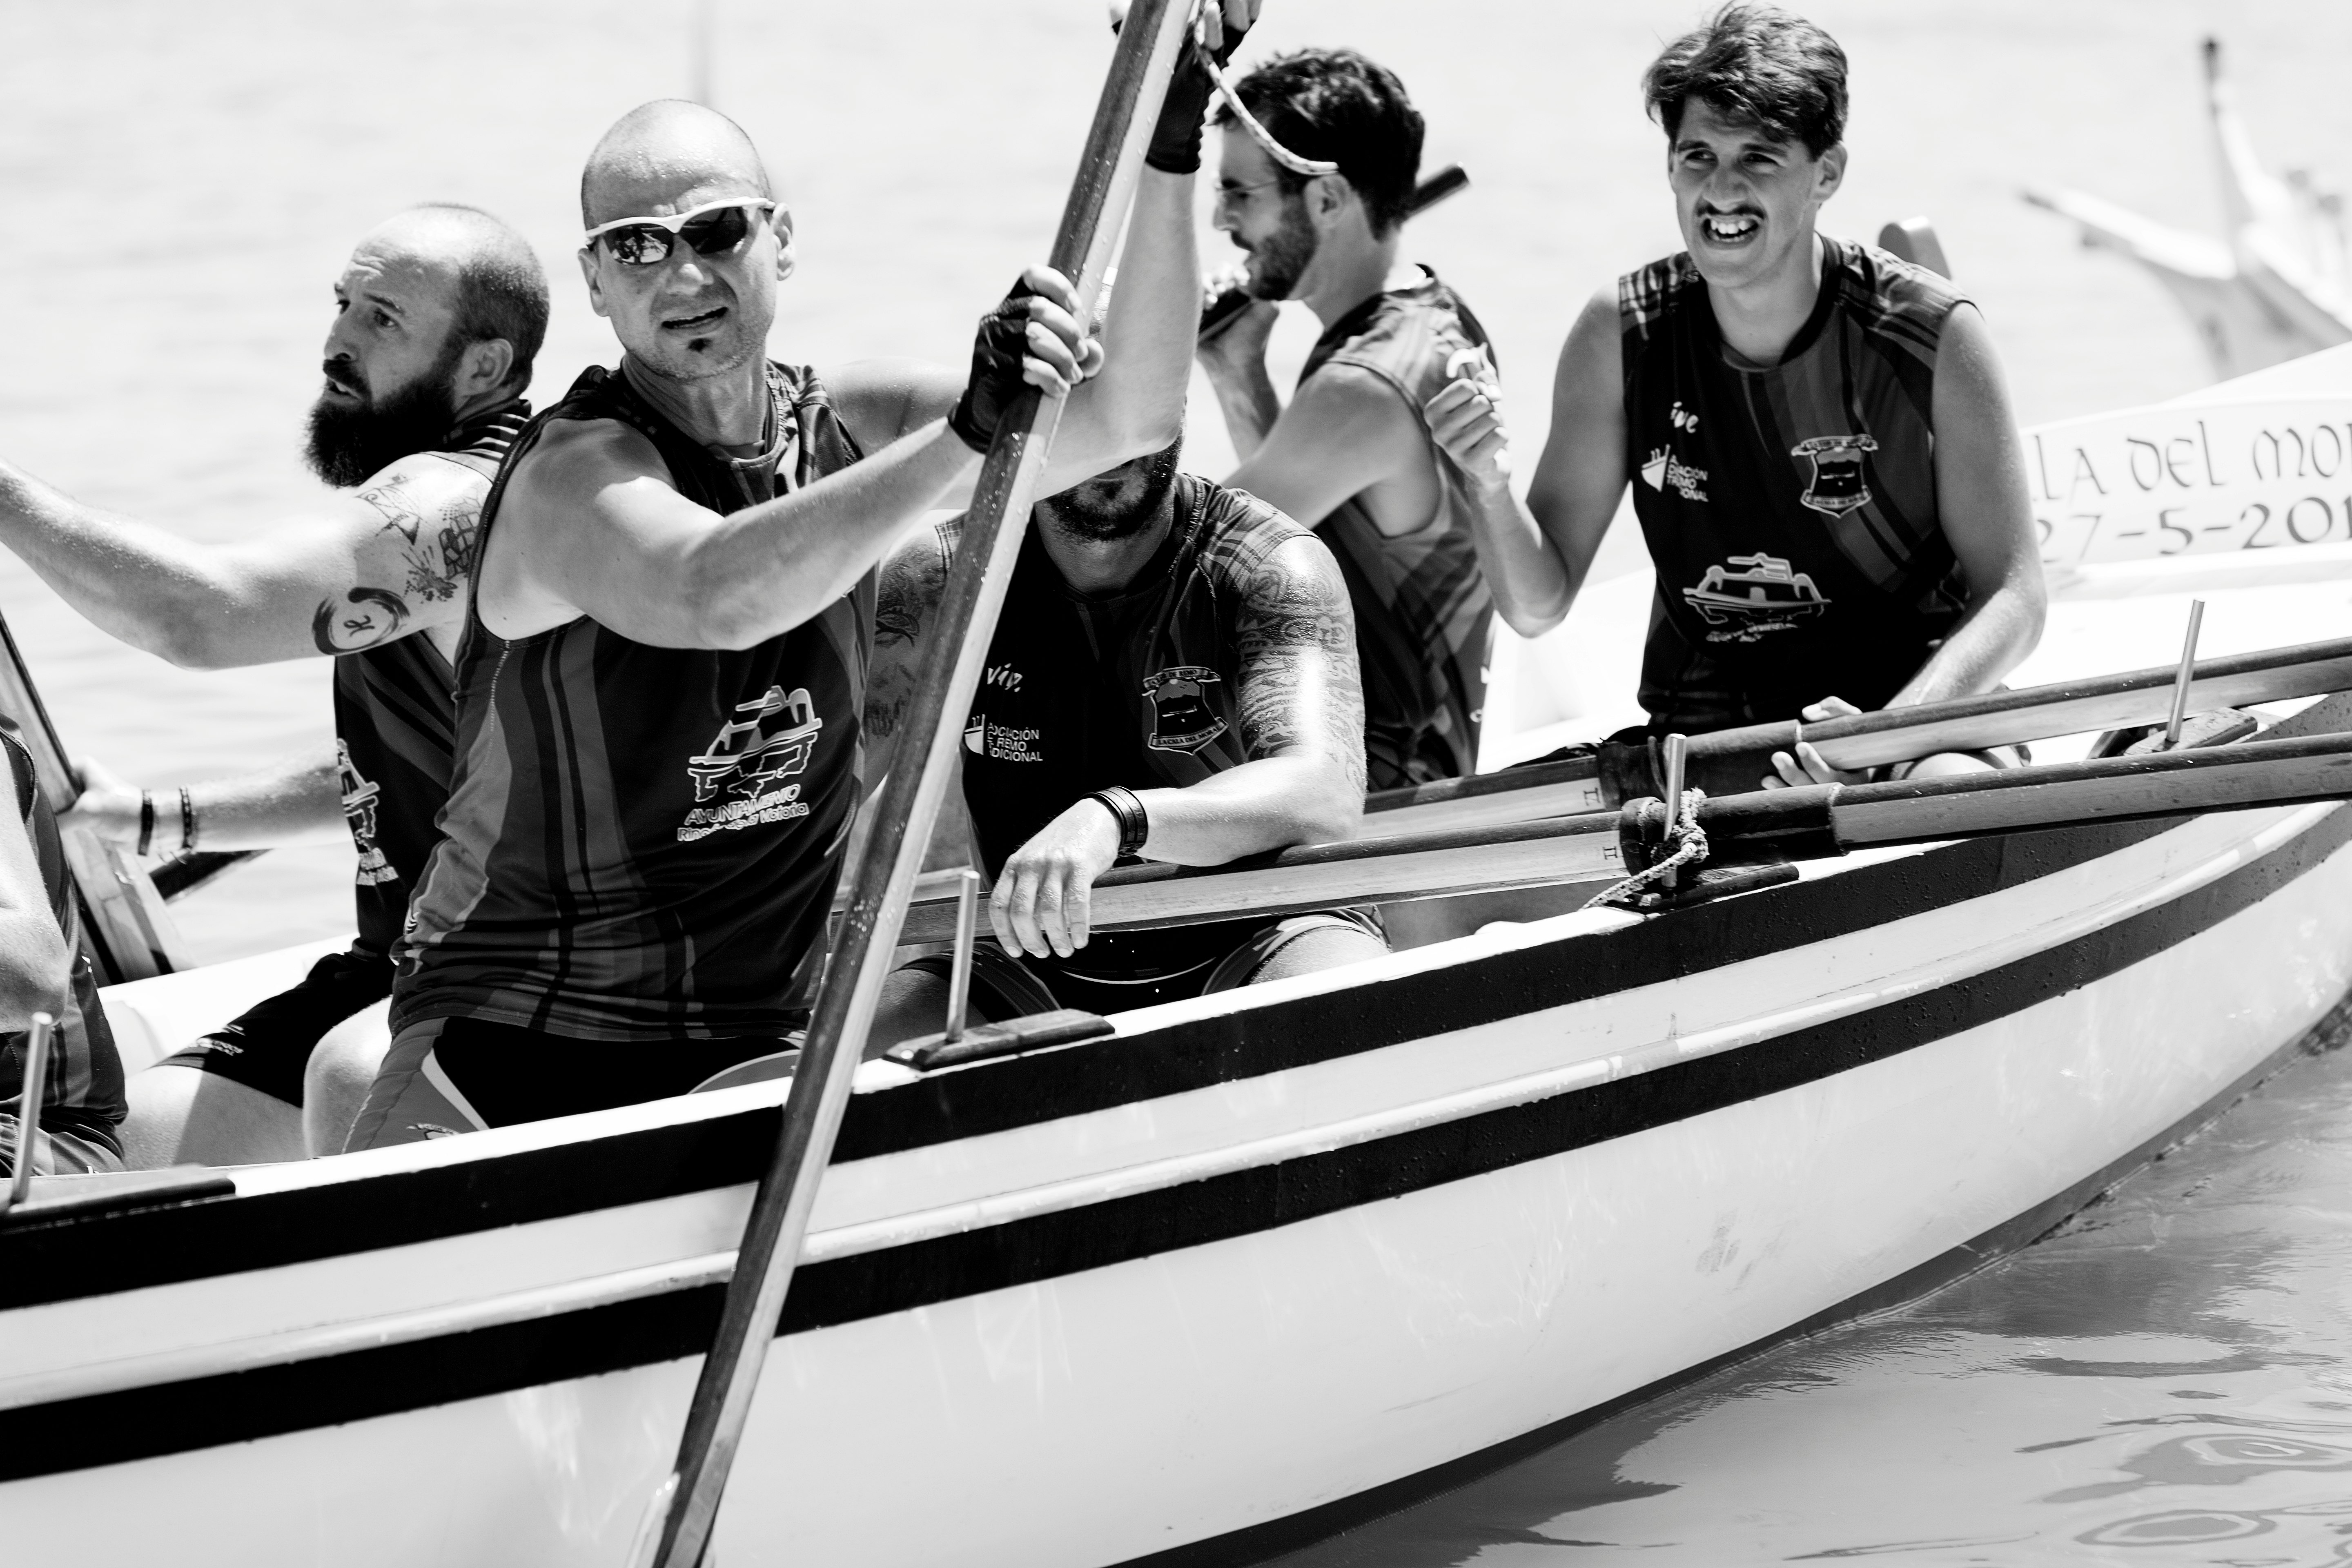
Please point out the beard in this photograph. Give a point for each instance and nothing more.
(349, 442)
(1119, 504)
(1279, 260)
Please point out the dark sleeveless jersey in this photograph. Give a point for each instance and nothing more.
(641, 842)
(395, 729)
(1424, 615)
(1791, 510)
(1140, 688)
(84, 1092)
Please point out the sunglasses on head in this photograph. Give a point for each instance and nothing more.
(712, 229)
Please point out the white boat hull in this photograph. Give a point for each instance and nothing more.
(1215, 1310)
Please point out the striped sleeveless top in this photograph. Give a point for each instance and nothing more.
(84, 1092)
(1424, 615)
(396, 727)
(1789, 508)
(641, 843)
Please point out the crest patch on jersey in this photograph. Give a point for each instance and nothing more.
(1182, 717)
(1841, 481)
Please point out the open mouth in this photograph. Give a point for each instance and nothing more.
(1729, 228)
(338, 390)
(701, 323)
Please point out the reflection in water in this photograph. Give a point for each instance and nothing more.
(2166, 1380)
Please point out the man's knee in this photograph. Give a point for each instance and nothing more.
(1321, 947)
(341, 1069)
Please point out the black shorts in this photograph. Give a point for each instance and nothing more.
(445, 1076)
(267, 1047)
(1121, 970)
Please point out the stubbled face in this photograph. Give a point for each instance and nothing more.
(1270, 227)
(390, 364)
(688, 316)
(1746, 200)
(1116, 503)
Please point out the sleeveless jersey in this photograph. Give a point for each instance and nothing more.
(1140, 688)
(1791, 508)
(83, 1095)
(1424, 615)
(395, 729)
(641, 843)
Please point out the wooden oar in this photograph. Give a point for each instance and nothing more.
(1829, 819)
(1731, 761)
(1154, 31)
(1603, 846)
(129, 934)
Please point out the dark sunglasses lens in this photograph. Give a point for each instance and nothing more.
(639, 247)
(716, 233)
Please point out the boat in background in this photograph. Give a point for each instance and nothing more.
(2277, 288)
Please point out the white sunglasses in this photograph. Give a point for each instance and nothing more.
(713, 228)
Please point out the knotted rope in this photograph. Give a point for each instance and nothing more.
(1684, 833)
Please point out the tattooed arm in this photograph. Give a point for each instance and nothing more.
(393, 557)
(1302, 711)
(913, 576)
(1302, 714)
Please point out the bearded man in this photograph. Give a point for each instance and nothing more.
(1173, 679)
(438, 315)
(1351, 453)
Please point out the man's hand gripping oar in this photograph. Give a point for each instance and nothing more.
(1138, 108)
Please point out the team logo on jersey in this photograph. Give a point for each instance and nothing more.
(1002, 743)
(358, 810)
(1750, 596)
(1665, 470)
(770, 739)
(1182, 718)
(1840, 481)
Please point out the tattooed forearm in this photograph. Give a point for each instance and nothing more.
(1300, 686)
(361, 619)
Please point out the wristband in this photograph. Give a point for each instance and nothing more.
(1134, 825)
(187, 820)
(146, 819)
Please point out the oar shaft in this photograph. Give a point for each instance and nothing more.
(1731, 761)
(884, 876)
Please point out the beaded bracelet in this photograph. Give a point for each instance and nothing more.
(187, 820)
(146, 819)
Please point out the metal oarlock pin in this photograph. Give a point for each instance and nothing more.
(1677, 761)
(960, 966)
(29, 1108)
(2187, 673)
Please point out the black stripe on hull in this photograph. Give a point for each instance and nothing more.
(1295, 1532)
(128, 1249)
(167, 1418)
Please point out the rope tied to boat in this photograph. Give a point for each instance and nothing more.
(1689, 841)
(1242, 116)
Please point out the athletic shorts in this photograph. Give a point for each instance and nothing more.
(59, 1152)
(446, 1076)
(1145, 967)
(267, 1047)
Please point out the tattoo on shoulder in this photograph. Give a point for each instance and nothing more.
(361, 619)
(1300, 684)
(437, 551)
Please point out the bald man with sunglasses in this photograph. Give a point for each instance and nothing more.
(664, 674)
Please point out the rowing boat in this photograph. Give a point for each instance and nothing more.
(1196, 1282)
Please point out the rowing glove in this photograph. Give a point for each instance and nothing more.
(1175, 147)
(997, 350)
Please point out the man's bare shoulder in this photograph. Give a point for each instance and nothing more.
(575, 461)
(1355, 406)
(1592, 353)
(883, 399)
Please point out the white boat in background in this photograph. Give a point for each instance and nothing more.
(2277, 288)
